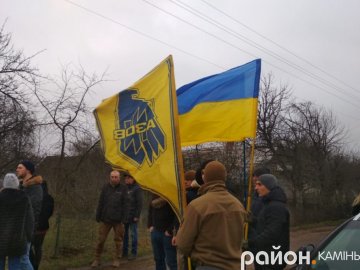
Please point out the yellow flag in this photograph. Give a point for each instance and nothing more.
(139, 133)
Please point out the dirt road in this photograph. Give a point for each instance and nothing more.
(298, 238)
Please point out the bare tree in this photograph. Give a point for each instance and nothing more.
(67, 118)
(273, 102)
(17, 120)
(300, 141)
(16, 72)
(314, 137)
(66, 111)
(16, 134)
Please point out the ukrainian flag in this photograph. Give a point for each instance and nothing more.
(221, 107)
(139, 134)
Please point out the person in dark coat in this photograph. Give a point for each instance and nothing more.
(161, 223)
(273, 223)
(31, 184)
(16, 225)
(47, 209)
(111, 213)
(256, 202)
(191, 192)
(135, 195)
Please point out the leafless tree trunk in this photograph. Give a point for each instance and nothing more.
(66, 112)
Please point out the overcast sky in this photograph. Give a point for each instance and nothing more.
(313, 46)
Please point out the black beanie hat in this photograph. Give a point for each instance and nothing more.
(268, 180)
(127, 173)
(28, 165)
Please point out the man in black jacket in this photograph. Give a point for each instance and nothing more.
(135, 195)
(162, 222)
(112, 213)
(47, 209)
(273, 223)
(256, 202)
(16, 224)
(31, 184)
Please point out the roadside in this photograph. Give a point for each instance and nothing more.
(298, 238)
(304, 237)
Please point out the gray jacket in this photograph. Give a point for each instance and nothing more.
(33, 190)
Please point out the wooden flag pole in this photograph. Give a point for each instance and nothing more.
(244, 173)
(248, 203)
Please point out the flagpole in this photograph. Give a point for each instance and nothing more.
(244, 172)
(248, 204)
(182, 196)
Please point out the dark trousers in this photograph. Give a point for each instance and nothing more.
(36, 249)
(163, 251)
(130, 232)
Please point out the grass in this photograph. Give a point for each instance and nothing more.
(76, 245)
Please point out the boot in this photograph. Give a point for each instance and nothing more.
(116, 263)
(118, 252)
(96, 263)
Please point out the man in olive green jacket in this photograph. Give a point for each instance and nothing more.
(212, 231)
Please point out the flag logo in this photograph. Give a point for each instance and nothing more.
(138, 134)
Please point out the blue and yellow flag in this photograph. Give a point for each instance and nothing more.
(221, 107)
(139, 133)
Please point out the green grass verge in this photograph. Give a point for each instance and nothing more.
(76, 244)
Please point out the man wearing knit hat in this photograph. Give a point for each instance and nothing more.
(136, 198)
(212, 231)
(256, 201)
(273, 222)
(16, 224)
(31, 184)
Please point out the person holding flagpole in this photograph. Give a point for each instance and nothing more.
(212, 231)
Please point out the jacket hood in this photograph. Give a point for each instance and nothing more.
(33, 181)
(276, 194)
(212, 186)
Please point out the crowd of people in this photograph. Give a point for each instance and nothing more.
(210, 236)
(25, 208)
